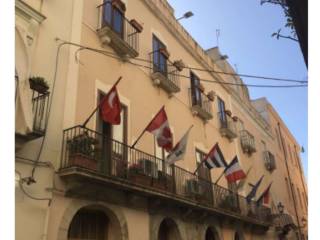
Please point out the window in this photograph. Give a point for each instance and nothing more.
(264, 146)
(113, 17)
(202, 172)
(288, 188)
(195, 89)
(222, 113)
(159, 59)
(278, 137)
(161, 154)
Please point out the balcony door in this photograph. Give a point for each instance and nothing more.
(195, 89)
(204, 177)
(113, 17)
(114, 156)
(159, 59)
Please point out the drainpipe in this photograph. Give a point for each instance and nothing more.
(302, 181)
(46, 223)
(289, 178)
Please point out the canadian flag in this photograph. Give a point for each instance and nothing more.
(110, 107)
(159, 126)
(234, 172)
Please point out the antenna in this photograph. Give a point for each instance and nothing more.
(217, 35)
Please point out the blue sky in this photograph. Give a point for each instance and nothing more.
(245, 36)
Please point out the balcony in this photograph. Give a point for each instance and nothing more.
(163, 73)
(117, 31)
(269, 161)
(247, 142)
(200, 104)
(227, 126)
(39, 111)
(90, 161)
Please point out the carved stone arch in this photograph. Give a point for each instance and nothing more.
(214, 227)
(156, 220)
(238, 233)
(114, 214)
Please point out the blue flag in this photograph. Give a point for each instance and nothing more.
(254, 189)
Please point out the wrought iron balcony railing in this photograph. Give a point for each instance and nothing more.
(227, 125)
(247, 142)
(269, 161)
(200, 104)
(116, 30)
(88, 151)
(163, 73)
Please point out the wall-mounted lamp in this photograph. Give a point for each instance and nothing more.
(280, 207)
(186, 15)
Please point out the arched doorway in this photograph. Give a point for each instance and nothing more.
(93, 224)
(168, 230)
(211, 234)
(238, 236)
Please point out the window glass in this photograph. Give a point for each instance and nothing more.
(118, 130)
(159, 60)
(195, 91)
(117, 21)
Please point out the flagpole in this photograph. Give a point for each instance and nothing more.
(132, 146)
(94, 111)
(216, 182)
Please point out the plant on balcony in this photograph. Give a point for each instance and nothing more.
(119, 5)
(163, 182)
(211, 95)
(230, 203)
(228, 112)
(38, 84)
(179, 64)
(164, 52)
(137, 26)
(235, 118)
(83, 151)
(136, 175)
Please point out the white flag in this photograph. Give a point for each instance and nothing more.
(179, 149)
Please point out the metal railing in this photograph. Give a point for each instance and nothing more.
(199, 99)
(99, 154)
(247, 141)
(269, 161)
(109, 15)
(160, 64)
(40, 111)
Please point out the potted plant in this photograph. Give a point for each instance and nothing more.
(163, 182)
(119, 5)
(179, 64)
(38, 84)
(165, 52)
(136, 175)
(136, 25)
(82, 151)
(210, 96)
(228, 112)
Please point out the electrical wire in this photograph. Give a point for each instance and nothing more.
(202, 69)
(112, 55)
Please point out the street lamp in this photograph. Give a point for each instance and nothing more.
(186, 15)
(280, 207)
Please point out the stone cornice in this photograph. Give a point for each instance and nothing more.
(160, 10)
(27, 12)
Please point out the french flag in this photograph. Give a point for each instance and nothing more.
(234, 172)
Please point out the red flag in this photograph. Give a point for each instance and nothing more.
(234, 172)
(265, 196)
(159, 126)
(110, 107)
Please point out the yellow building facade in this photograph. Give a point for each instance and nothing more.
(88, 182)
